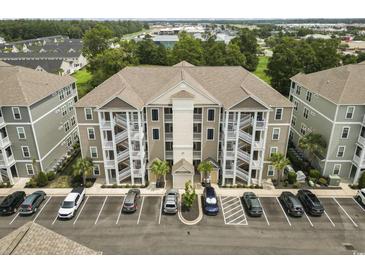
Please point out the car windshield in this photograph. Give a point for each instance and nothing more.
(255, 203)
(363, 192)
(128, 204)
(211, 200)
(170, 205)
(68, 204)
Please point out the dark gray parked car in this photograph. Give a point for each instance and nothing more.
(171, 201)
(32, 203)
(291, 204)
(252, 204)
(130, 201)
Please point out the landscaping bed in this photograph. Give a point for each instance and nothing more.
(192, 213)
(300, 185)
(6, 185)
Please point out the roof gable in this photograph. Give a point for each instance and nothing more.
(117, 103)
(248, 104)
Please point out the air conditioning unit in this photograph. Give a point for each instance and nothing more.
(335, 180)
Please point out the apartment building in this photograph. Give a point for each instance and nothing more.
(37, 120)
(183, 114)
(332, 103)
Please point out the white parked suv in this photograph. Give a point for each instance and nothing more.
(360, 196)
(71, 203)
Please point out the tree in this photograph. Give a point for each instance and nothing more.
(246, 40)
(313, 143)
(206, 168)
(83, 167)
(189, 49)
(361, 181)
(189, 195)
(361, 57)
(279, 161)
(150, 53)
(96, 40)
(326, 52)
(214, 52)
(160, 169)
(234, 57)
(349, 59)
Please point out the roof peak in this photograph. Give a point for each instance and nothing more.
(183, 64)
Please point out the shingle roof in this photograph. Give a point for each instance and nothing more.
(24, 86)
(182, 165)
(341, 85)
(51, 66)
(139, 86)
(34, 239)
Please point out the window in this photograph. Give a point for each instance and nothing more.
(350, 112)
(273, 150)
(93, 152)
(88, 114)
(96, 170)
(309, 96)
(66, 126)
(340, 151)
(154, 114)
(70, 106)
(275, 133)
(345, 133)
(91, 133)
(305, 113)
(278, 113)
(336, 169)
(75, 136)
(303, 129)
(358, 151)
(68, 91)
(16, 113)
(293, 85)
(155, 134)
(295, 105)
(298, 90)
(210, 134)
(25, 150)
(29, 168)
(270, 170)
(21, 133)
(293, 121)
(64, 110)
(73, 121)
(61, 94)
(211, 114)
(69, 141)
(291, 135)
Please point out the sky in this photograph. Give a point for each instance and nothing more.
(182, 9)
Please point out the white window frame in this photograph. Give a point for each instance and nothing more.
(61, 94)
(303, 126)
(213, 115)
(88, 133)
(298, 90)
(28, 169)
(91, 114)
(27, 147)
(270, 168)
(18, 109)
(294, 121)
(308, 95)
(348, 133)
(17, 130)
(273, 148)
(281, 115)
(64, 110)
(272, 135)
(305, 113)
(68, 90)
(96, 166)
(347, 112)
(73, 121)
(70, 106)
(210, 140)
(334, 168)
(296, 103)
(69, 141)
(158, 115)
(343, 153)
(75, 136)
(66, 126)
(159, 134)
(96, 152)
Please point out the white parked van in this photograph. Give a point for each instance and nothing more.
(71, 203)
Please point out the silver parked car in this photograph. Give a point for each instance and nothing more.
(131, 201)
(32, 203)
(171, 201)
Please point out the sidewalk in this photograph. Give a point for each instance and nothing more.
(151, 190)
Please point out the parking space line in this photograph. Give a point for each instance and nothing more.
(353, 222)
(14, 218)
(228, 206)
(232, 209)
(140, 211)
(263, 211)
(309, 220)
(358, 204)
(328, 217)
(226, 202)
(159, 217)
(78, 215)
(225, 198)
(54, 220)
(120, 211)
(101, 209)
(283, 211)
(39, 212)
(242, 215)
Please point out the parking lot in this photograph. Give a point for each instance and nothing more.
(101, 215)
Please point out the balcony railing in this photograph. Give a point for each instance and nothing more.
(4, 141)
(197, 135)
(229, 172)
(230, 154)
(197, 117)
(109, 163)
(260, 124)
(168, 118)
(169, 154)
(361, 140)
(359, 161)
(197, 154)
(137, 173)
(2, 122)
(168, 135)
(106, 124)
(108, 144)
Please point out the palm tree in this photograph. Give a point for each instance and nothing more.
(313, 143)
(279, 161)
(206, 168)
(160, 169)
(83, 167)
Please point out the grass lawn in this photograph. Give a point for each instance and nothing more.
(261, 67)
(82, 77)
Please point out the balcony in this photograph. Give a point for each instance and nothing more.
(138, 154)
(243, 155)
(137, 173)
(363, 120)
(109, 163)
(241, 173)
(361, 140)
(136, 135)
(4, 142)
(2, 162)
(168, 118)
(108, 144)
(231, 135)
(229, 173)
(258, 144)
(106, 124)
(260, 125)
(255, 164)
(121, 136)
(197, 136)
(124, 173)
(168, 136)
(197, 154)
(245, 136)
(360, 162)
(197, 117)
(120, 120)
(2, 122)
(230, 154)
(169, 154)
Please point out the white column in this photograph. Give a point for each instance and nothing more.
(235, 163)
(266, 119)
(103, 149)
(224, 147)
(114, 149)
(141, 147)
(130, 147)
(252, 147)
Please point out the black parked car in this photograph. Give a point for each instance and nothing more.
(252, 204)
(11, 203)
(210, 201)
(292, 204)
(310, 202)
(32, 202)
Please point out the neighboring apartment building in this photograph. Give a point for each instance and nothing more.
(332, 103)
(183, 114)
(37, 120)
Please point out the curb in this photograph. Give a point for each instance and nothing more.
(197, 220)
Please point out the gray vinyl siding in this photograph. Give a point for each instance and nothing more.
(9, 118)
(155, 147)
(357, 116)
(350, 143)
(344, 172)
(86, 143)
(16, 144)
(80, 112)
(22, 171)
(210, 148)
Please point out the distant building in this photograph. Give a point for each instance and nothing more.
(318, 36)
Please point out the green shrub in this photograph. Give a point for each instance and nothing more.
(292, 177)
(51, 175)
(41, 179)
(296, 185)
(322, 181)
(362, 181)
(314, 173)
(115, 185)
(31, 183)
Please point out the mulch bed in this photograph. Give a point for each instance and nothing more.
(192, 213)
(306, 186)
